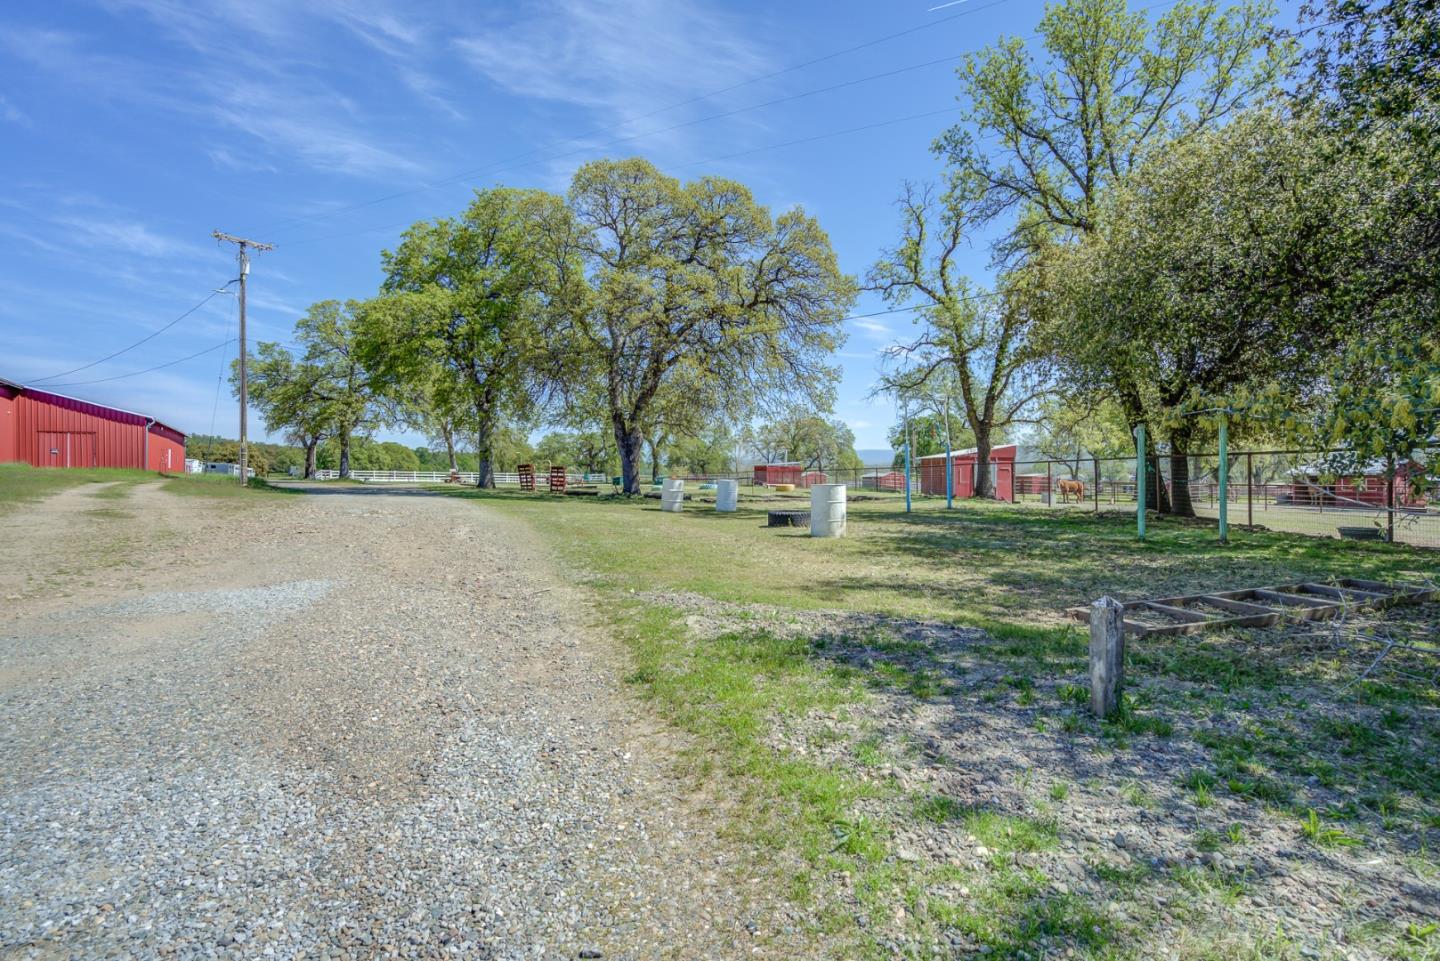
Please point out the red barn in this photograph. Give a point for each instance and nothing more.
(52, 430)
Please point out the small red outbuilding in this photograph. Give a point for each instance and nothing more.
(46, 429)
(1002, 472)
(792, 472)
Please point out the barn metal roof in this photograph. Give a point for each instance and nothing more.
(5, 382)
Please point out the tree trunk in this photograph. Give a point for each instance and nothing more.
(982, 486)
(1180, 503)
(484, 463)
(654, 460)
(312, 447)
(449, 434)
(631, 446)
(1157, 499)
(344, 454)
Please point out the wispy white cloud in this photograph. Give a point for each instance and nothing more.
(622, 59)
(309, 128)
(874, 329)
(57, 221)
(252, 72)
(122, 236)
(9, 113)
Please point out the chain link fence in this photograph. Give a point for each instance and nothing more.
(1320, 493)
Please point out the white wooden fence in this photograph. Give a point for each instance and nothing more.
(542, 479)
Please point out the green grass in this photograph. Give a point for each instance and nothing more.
(21, 484)
(1011, 572)
(1317, 832)
(987, 565)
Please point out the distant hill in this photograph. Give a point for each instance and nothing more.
(876, 456)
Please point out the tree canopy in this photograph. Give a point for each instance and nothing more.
(463, 313)
(694, 298)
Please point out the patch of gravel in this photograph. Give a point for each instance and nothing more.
(267, 603)
(991, 742)
(422, 752)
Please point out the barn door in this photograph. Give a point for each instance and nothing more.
(82, 450)
(60, 448)
(1004, 479)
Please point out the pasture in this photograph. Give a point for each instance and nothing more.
(896, 720)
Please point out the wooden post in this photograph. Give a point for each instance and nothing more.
(1249, 489)
(1097, 484)
(1107, 655)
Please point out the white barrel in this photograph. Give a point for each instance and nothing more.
(827, 510)
(672, 497)
(727, 493)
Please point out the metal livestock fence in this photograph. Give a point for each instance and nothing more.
(1320, 493)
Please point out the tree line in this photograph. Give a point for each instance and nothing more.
(1190, 216)
(636, 306)
(1194, 214)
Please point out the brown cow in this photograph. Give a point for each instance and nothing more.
(1068, 487)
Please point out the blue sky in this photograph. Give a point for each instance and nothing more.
(133, 128)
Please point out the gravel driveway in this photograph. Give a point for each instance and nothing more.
(352, 725)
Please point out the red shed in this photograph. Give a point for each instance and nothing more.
(1002, 472)
(788, 473)
(52, 430)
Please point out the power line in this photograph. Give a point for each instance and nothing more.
(219, 376)
(137, 343)
(693, 163)
(815, 91)
(624, 122)
(822, 136)
(136, 373)
(504, 167)
(808, 93)
(147, 370)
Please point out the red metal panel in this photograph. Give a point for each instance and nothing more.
(1005, 477)
(964, 476)
(110, 441)
(932, 474)
(777, 473)
(167, 450)
(8, 424)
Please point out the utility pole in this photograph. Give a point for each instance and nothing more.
(243, 258)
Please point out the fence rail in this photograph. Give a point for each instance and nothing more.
(1295, 491)
(440, 477)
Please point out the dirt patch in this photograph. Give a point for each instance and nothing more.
(1205, 816)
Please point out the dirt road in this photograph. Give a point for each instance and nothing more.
(344, 725)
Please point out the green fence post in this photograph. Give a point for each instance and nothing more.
(1141, 480)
